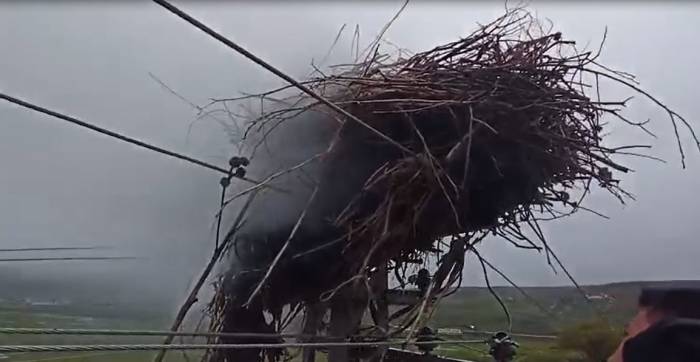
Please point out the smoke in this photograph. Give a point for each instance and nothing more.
(273, 212)
(62, 186)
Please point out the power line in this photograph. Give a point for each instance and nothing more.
(71, 258)
(128, 332)
(199, 25)
(55, 248)
(116, 135)
(152, 347)
(519, 289)
(523, 335)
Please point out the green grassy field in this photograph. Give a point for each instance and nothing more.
(563, 306)
(13, 316)
(468, 307)
(23, 316)
(529, 351)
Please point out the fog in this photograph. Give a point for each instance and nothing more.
(63, 186)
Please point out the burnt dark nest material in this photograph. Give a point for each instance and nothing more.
(490, 134)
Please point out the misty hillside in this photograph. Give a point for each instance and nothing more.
(558, 306)
(81, 295)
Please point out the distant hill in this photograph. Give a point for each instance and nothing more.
(80, 297)
(558, 306)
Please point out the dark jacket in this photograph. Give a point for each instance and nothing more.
(671, 340)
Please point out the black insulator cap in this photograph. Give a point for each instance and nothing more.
(237, 161)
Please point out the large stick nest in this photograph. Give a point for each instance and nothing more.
(500, 129)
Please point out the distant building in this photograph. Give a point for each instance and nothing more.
(601, 296)
(450, 331)
(45, 303)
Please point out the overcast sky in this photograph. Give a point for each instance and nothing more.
(61, 185)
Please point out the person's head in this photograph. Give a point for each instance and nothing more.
(672, 302)
(657, 305)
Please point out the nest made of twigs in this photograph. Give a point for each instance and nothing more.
(481, 135)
